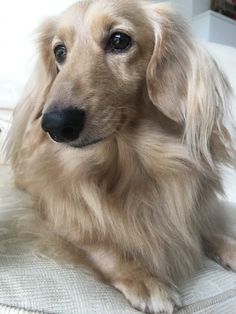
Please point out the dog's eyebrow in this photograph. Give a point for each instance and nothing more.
(102, 25)
(102, 22)
(65, 34)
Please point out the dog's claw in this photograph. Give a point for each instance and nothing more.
(217, 259)
(222, 263)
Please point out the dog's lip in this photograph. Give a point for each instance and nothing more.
(83, 144)
(87, 143)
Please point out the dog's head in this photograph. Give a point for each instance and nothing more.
(98, 53)
(103, 61)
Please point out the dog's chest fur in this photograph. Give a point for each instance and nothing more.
(115, 196)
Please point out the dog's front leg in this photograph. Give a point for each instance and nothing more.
(143, 290)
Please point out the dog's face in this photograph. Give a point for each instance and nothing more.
(105, 63)
(100, 51)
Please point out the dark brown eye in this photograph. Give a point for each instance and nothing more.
(60, 53)
(119, 42)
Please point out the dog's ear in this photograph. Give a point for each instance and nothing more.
(168, 70)
(31, 104)
(187, 86)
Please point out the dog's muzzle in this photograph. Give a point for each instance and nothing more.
(64, 126)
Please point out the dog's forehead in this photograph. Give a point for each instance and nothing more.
(99, 15)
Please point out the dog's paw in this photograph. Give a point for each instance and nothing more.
(149, 296)
(226, 256)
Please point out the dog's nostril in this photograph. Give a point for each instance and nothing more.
(70, 134)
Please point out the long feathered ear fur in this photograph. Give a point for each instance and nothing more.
(30, 106)
(186, 84)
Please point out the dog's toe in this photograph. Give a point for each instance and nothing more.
(150, 297)
(226, 256)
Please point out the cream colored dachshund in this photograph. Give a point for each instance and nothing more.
(119, 139)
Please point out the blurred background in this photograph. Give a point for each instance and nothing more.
(213, 21)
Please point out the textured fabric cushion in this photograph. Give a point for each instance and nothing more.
(35, 283)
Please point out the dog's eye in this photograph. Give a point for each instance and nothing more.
(60, 53)
(119, 42)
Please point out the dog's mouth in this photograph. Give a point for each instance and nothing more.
(77, 143)
(87, 143)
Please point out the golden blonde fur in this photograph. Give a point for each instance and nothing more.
(142, 203)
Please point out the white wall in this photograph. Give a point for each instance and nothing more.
(200, 6)
(189, 8)
(18, 20)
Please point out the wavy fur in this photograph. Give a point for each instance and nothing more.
(142, 203)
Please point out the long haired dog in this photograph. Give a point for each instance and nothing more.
(119, 139)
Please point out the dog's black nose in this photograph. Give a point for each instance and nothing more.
(65, 125)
